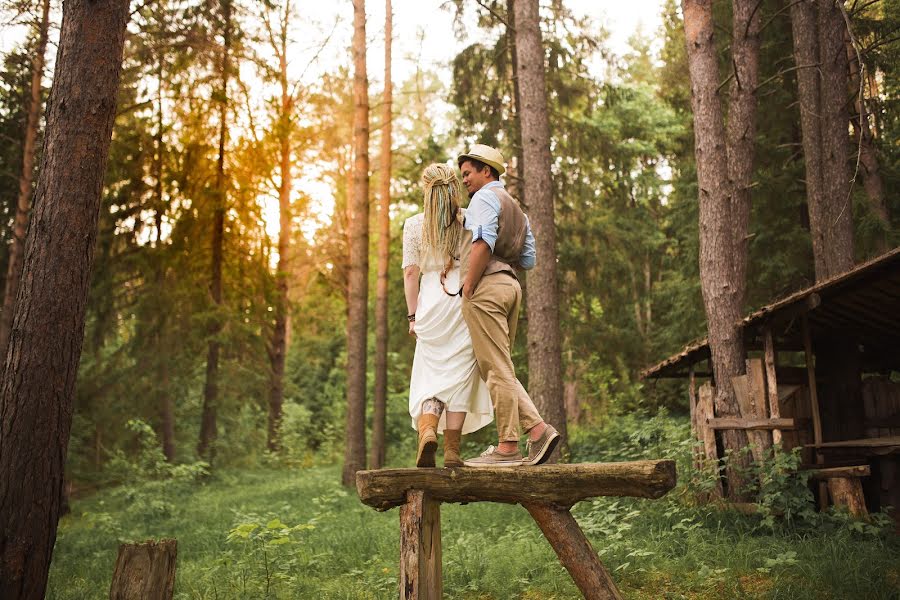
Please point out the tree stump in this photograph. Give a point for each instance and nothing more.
(145, 571)
(848, 492)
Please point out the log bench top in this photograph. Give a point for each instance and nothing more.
(557, 485)
(878, 446)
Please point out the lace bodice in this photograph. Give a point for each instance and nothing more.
(413, 249)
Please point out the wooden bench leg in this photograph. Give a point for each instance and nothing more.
(575, 552)
(420, 547)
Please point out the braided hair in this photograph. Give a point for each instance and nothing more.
(442, 230)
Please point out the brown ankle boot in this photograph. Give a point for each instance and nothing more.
(427, 426)
(451, 448)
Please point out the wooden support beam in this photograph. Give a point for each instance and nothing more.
(842, 472)
(420, 547)
(145, 571)
(560, 485)
(574, 552)
(755, 424)
(771, 382)
(813, 401)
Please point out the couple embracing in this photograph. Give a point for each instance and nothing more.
(464, 314)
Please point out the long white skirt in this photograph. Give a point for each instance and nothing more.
(444, 365)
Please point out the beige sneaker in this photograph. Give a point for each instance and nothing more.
(494, 458)
(541, 449)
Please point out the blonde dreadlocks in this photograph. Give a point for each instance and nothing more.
(442, 230)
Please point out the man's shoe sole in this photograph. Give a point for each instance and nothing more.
(479, 465)
(426, 457)
(546, 451)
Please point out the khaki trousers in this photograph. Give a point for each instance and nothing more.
(492, 315)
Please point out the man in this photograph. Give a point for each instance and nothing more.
(498, 242)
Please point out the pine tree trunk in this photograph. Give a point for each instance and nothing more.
(868, 156)
(38, 384)
(384, 239)
(23, 203)
(514, 176)
(358, 292)
(724, 168)
(544, 351)
(165, 401)
(806, 58)
(278, 347)
(831, 222)
(208, 426)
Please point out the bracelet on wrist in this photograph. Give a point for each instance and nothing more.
(411, 317)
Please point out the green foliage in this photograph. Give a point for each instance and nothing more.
(264, 563)
(148, 462)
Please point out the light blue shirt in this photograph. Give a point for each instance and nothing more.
(482, 219)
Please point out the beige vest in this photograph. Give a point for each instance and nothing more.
(512, 228)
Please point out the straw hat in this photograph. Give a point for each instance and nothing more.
(486, 154)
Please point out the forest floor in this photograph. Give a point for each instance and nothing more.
(296, 533)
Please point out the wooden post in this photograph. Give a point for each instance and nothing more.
(145, 571)
(751, 396)
(814, 403)
(692, 403)
(420, 547)
(705, 412)
(574, 552)
(771, 382)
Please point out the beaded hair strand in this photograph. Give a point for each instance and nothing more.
(442, 231)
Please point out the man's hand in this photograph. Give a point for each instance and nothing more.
(478, 260)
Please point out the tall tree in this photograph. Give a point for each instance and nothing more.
(376, 461)
(208, 427)
(278, 40)
(822, 79)
(865, 142)
(358, 291)
(544, 352)
(23, 205)
(724, 157)
(38, 383)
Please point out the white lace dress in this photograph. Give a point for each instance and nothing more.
(444, 365)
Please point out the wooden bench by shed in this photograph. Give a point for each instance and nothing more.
(547, 492)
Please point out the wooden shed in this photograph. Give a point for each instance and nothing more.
(823, 373)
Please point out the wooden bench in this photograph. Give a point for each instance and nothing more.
(547, 492)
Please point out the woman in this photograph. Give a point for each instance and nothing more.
(446, 393)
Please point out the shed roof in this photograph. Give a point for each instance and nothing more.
(862, 304)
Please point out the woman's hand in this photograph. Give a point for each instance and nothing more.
(412, 328)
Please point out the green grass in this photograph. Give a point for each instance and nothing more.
(654, 549)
